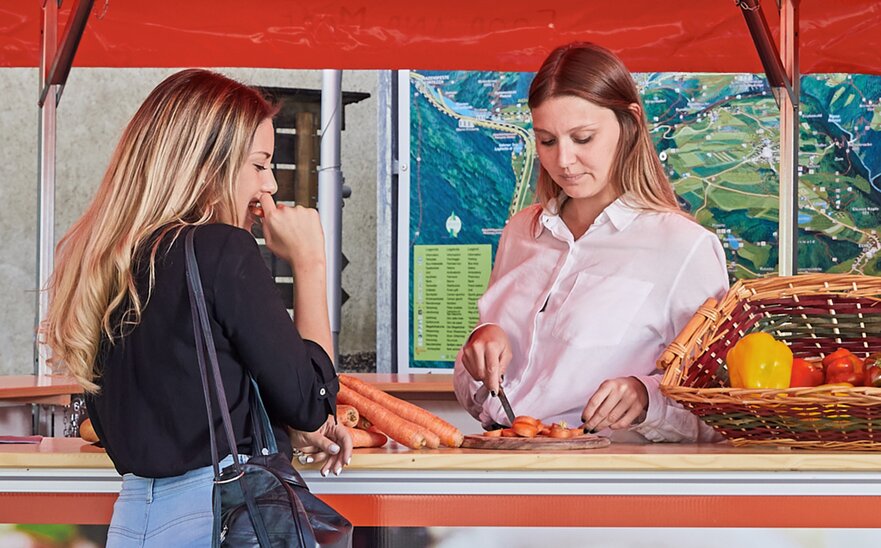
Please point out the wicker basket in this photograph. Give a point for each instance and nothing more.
(815, 314)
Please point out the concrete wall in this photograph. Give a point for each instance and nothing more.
(96, 105)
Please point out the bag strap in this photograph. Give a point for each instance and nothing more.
(263, 440)
(205, 342)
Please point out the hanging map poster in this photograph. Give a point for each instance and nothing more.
(472, 165)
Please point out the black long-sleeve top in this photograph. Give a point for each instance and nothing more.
(150, 413)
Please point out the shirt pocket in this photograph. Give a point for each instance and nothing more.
(599, 309)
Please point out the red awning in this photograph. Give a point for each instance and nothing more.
(650, 35)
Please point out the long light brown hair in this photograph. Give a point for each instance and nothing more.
(175, 165)
(595, 74)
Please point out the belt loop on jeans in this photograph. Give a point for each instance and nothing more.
(150, 490)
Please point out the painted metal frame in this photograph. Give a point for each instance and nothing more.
(55, 64)
(386, 233)
(783, 75)
(571, 498)
(401, 168)
(46, 175)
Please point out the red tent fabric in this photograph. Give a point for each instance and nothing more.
(650, 35)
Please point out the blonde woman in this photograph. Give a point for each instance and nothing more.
(591, 283)
(197, 152)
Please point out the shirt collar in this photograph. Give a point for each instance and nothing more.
(619, 213)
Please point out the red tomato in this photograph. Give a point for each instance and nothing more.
(805, 373)
(843, 355)
(843, 371)
(873, 376)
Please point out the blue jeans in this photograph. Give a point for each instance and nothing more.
(165, 512)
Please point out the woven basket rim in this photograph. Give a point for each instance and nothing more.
(710, 330)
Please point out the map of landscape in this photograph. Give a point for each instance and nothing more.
(474, 163)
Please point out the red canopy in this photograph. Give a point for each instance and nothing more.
(650, 35)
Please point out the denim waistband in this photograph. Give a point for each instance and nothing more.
(138, 487)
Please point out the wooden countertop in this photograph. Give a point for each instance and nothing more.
(44, 389)
(29, 387)
(424, 383)
(75, 453)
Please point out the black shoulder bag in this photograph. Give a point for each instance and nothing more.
(263, 502)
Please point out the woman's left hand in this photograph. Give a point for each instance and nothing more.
(617, 404)
(330, 445)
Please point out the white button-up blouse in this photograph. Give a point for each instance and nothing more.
(578, 312)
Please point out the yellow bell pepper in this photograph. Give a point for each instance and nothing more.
(759, 361)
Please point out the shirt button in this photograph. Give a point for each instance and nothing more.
(322, 391)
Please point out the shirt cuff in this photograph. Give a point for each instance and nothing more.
(476, 328)
(471, 394)
(326, 378)
(656, 412)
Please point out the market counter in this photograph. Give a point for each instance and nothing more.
(64, 480)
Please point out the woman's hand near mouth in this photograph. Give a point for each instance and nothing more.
(295, 235)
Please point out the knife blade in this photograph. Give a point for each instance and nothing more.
(506, 405)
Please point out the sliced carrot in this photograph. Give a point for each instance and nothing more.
(347, 415)
(447, 434)
(524, 430)
(493, 433)
(363, 438)
(528, 420)
(560, 433)
(400, 430)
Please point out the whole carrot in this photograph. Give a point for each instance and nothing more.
(363, 438)
(400, 430)
(347, 415)
(449, 435)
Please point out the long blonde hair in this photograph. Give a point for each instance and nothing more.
(593, 73)
(175, 165)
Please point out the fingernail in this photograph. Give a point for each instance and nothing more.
(309, 460)
(501, 377)
(302, 459)
(588, 430)
(324, 473)
(337, 471)
(334, 449)
(348, 460)
(493, 392)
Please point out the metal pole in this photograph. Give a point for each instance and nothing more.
(789, 116)
(330, 194)
(57, 68)
(401, 171)
(46, 174)
(385, 226)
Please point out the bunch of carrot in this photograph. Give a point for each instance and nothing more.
(402, 421)
(361, 431)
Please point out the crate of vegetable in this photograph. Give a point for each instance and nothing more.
(792, 361)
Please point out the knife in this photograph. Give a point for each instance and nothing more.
(506, 405)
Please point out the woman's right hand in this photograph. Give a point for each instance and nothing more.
(486, 355)
(293, 233)
(330, 446)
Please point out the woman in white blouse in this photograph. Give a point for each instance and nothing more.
(591, 283)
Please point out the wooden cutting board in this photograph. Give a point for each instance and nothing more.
(587, 441)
